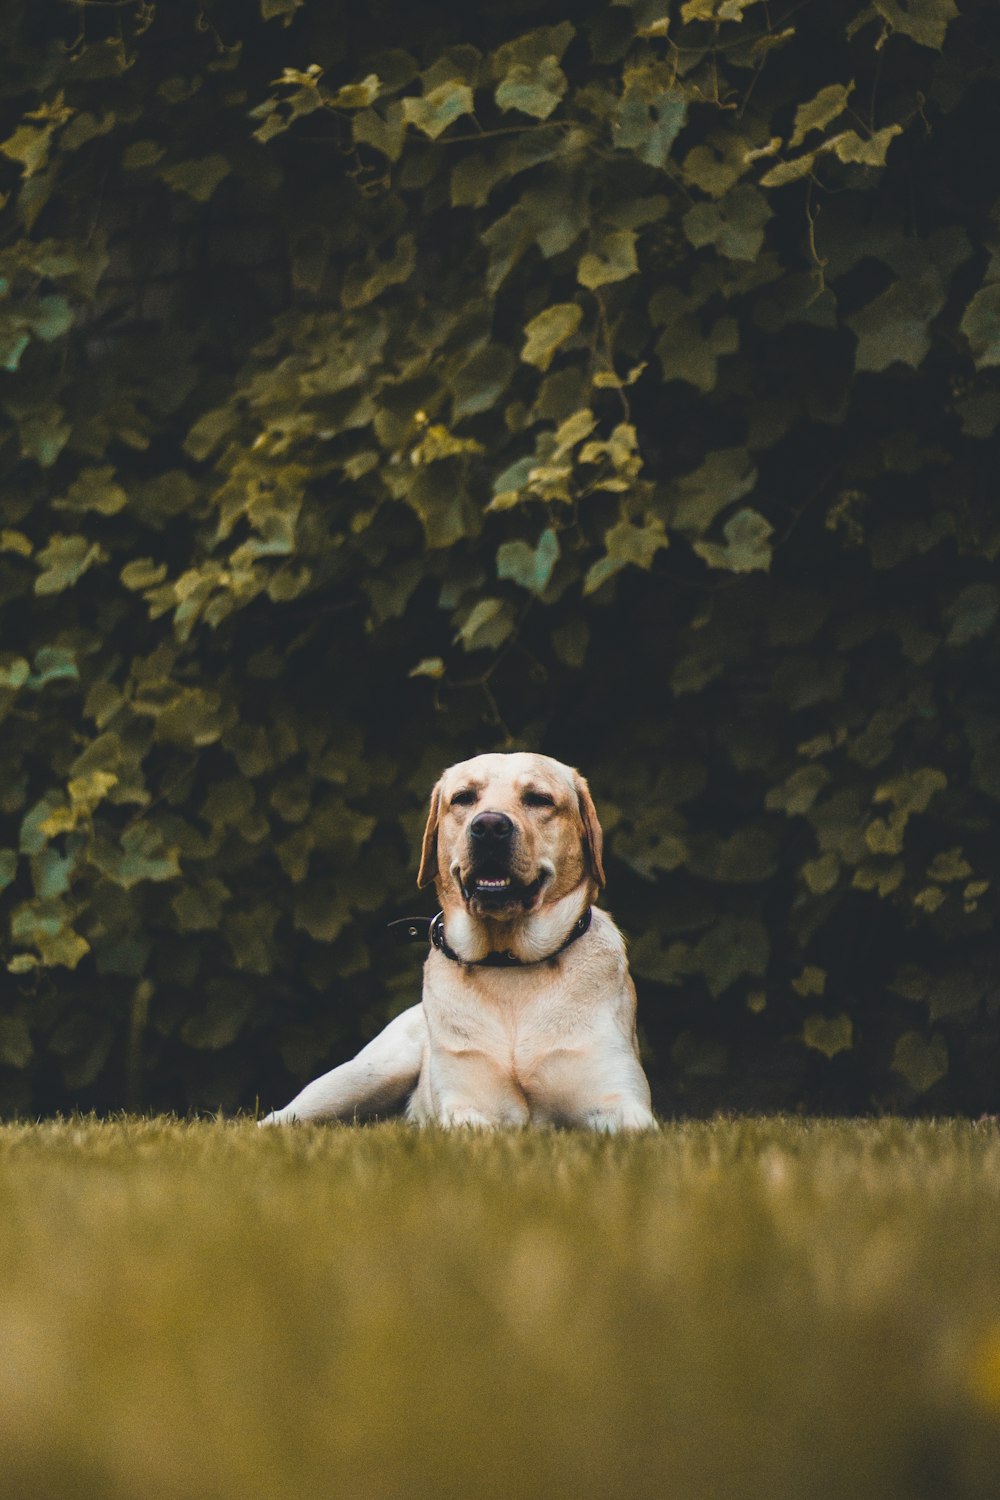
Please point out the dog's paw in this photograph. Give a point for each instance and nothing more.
(468, 1118)
(627, 1114)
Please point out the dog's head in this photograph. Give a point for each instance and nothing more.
(507, 833)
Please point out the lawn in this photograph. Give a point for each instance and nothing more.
(733, 1309)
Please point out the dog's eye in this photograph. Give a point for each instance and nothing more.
(464, 799)
(538, 799)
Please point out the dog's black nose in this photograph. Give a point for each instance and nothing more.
(491, 827)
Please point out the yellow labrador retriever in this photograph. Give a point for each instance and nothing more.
(528, 1009)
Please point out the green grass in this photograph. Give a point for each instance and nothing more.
(734, 1310)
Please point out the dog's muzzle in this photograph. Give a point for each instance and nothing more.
(490, 881)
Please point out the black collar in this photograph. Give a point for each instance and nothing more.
(413, 928)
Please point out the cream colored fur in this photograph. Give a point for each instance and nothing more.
(553, 1043)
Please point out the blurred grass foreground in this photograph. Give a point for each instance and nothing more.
(759, 1308)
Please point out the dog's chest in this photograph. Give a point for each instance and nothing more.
(508, 1016)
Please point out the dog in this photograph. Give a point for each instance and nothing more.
(528, 1008)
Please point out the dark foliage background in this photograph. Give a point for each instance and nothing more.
(381, 384)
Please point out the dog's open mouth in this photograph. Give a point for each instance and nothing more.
(495, 889)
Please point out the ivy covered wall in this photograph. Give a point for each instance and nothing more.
(382, 384)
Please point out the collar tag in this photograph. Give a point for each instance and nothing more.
(410, 930)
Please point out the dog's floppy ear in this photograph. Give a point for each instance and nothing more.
(429, 852)
(593, 837)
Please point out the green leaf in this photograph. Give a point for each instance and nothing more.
(32, 838)
(487, 625)
(53, 664)
(570, 641)
(44, 435)
(228, 804)
(198, 179)
(626, 546)
(922, 1063)
(29, 145)
(789, 171)
(208, 432)
(438, 443)
(321, 911)
(725, 477)
(94, 490)
(611, 258)
(979, 411)
(573, 430)
(357, 95)
(191, 719)
(715, 168)
(849, 147)
(886, 835)
(812, 981)
(142, 573)
(44, 926)
(141, 154)
(912, 791)
(13, 342)
(686, 353)
(955, 994)
(746, 548)
(508, 487)
(797, 795)
(15, 541)
(14, 672)
(973, 614)
(481, 380)
(732, 947)
(51, 317)
(649, 117)
(700, 1056)
(828, 1034)
(715, 10)
(734, 224)
(949, 865)
(551, 328)
(428, 666)
(533, 88)
(221, 1021)
(64, 561)
(51, 872)
(385, 132)
(530, 567)
(532, 49)
(143, 856)
(434, 112)
(16, 1049)
(473, 179)
(981, 325)
(434, 494)
(369, 278)
(817, 114)
(283, 10)
(895, 327)
(924, 21)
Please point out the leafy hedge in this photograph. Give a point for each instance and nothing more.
(386, 383)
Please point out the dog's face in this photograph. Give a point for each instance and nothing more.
(507, 833)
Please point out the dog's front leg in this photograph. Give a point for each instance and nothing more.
(378, 1079)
